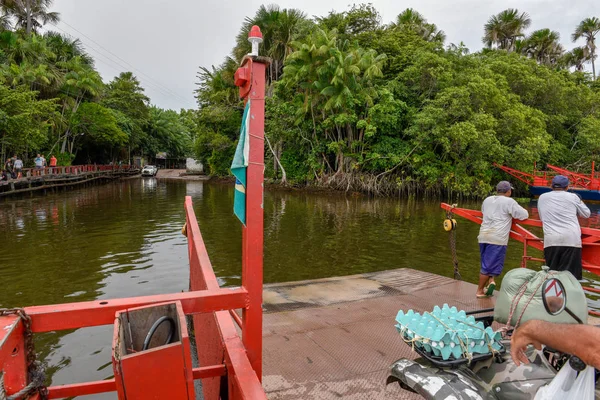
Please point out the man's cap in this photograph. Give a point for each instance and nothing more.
(503, 186)
(560, 181)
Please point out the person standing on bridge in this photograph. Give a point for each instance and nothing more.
(18, 167)
(8, 167)
(53, 163)
(39, 162)
(562, 234)
(498, 213)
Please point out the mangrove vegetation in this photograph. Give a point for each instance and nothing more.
(357, 104)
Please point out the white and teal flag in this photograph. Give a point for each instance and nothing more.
(240, 165)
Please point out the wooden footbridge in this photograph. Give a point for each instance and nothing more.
(53, 178)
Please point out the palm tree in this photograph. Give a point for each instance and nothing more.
(334, 77)
(279, 28)
(575, 58)
(543, 45)
(411, 19)
(65, 48)
(216, 87)
(588, 29)
(5, 22)
(31, 14)
(505, 28)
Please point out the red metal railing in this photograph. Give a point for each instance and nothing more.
(220, 349)
(73, 170)
(543, 178)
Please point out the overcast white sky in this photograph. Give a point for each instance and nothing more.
(165, 42)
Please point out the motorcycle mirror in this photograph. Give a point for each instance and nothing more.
(554, 296)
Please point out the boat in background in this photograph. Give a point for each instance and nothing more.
(539, 182)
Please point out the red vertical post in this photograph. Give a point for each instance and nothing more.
(252, 233)
(251, 79)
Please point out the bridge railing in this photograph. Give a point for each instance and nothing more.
(73, 170)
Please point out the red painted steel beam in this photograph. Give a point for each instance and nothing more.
(12, 354)
(591, 289)
(102, 312)
(243, 381)
(520, 175)
(209, 372)
(236, 318)
(198, 255)
(252, 233)
(81, 389)
(577, 179)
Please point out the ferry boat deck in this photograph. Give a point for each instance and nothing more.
(335, 337)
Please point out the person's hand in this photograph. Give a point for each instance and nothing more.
(521, 338)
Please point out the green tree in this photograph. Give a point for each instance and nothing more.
(334, 80)
(421, 118)
(168, 133)
(96, 126)
(414, 21)
(24, 120)
(31, 15)
(80, 83)
(543, 45)
(588, 29)
(126, 95)
(575, 58)
(64, 48)
(505, 28)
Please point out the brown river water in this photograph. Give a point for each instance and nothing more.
(124, 239)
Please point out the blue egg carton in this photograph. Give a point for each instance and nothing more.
(448, 335)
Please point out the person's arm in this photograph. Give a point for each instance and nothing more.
(582, 341)
(582, 209)
(518, 212)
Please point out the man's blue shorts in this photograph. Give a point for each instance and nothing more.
(492, 258)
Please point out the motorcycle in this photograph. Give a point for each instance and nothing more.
(492, 376)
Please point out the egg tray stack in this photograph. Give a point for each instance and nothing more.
(447, 336)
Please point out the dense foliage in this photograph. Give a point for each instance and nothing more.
(52, 99)
(356, 104)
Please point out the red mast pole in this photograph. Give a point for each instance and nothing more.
(251, 80)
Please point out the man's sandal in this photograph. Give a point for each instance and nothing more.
(490, 289)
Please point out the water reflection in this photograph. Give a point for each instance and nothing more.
(123, 239)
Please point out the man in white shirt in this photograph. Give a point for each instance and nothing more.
(562, 234)
(498, 213)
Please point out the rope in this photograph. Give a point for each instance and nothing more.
(515, 304)
(37, 378)
(464, 347)
(2, 390)
(452, 239)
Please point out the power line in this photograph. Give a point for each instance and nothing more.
(123, 68)
(131, 66)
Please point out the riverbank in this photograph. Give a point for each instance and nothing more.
(180, 174)
(369, 186)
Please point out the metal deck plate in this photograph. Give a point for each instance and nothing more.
(335, 338)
